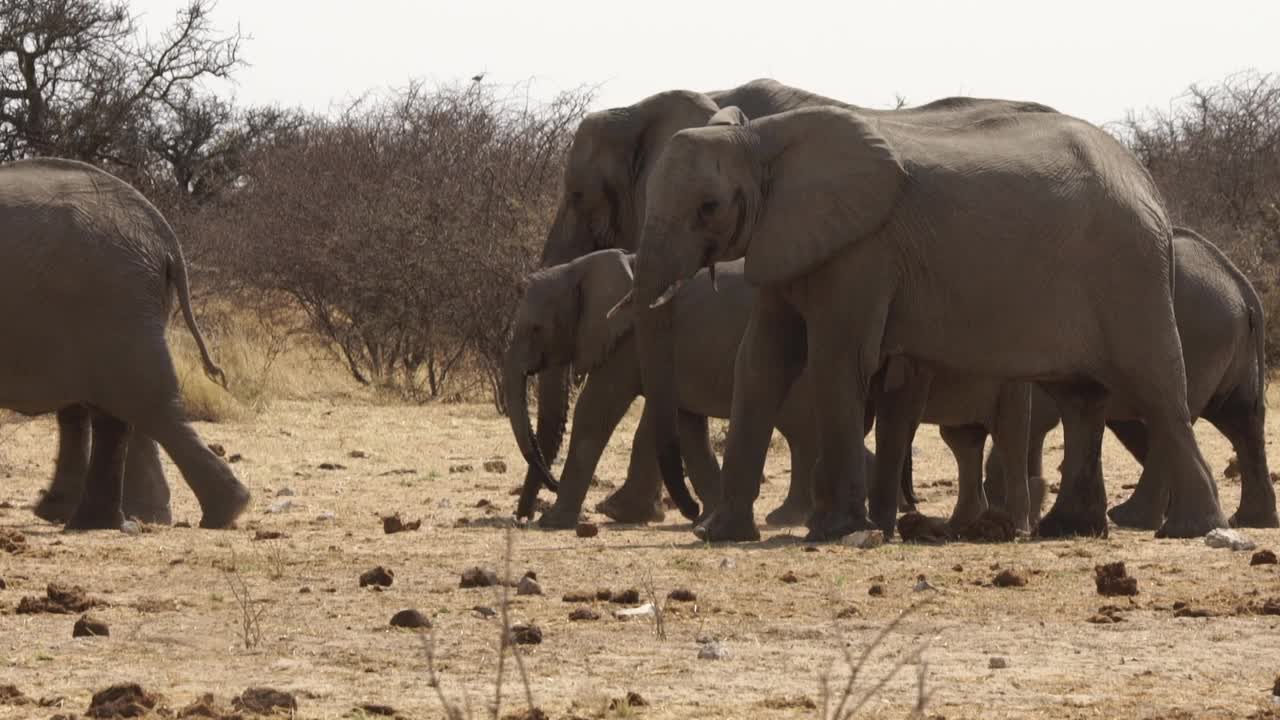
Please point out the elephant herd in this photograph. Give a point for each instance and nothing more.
(788, 261)
(761, 254)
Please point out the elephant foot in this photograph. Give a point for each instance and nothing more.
(559, 518)
(54, 507)
(1191, 524)
(728, 525)
(1068, 519)
(150, 515)
(93, 516)
(1136, 513)
(625, 510)
(1254, 518)
(221, 512)
(830, 525)
(790, 512)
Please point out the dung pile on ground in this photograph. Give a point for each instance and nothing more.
(1112, 579)
(264, 700)
(991, 526)
(59, 599)
(125, 700)
(919, 528)
(12, 541)
(11, 695)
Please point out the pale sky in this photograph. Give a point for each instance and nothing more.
(1087, 58)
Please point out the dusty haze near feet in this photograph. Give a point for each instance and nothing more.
(174, 621)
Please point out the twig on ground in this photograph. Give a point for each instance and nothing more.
(850, 702)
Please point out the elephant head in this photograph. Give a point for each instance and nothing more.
(562, 321)
(602, 204)
(786, 192)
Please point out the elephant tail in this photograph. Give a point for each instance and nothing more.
(177, 273)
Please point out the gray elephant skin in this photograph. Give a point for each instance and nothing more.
(602, 206)
(94, 266)
(1023, 246)
(1222, 327)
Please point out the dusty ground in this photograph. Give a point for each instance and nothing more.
(175, 622)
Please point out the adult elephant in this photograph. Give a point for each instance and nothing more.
(93, 266)
(1221, 325)
(602, 206)
(1026, 246)
(564, 318)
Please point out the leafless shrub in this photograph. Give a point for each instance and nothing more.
(659, 605)
(251, 610)
(847, 700)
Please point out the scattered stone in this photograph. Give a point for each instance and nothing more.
(1233, 468)
(357, 454)
(1112, 579)
(1262, 557)
(789, 577)
(922, 584)
(918, 528)
(958, 567)
(632, 700)
(990, 526)
(1233, 539)
(264, 700)
(261, 534)
(462, 468)
(131, 527)
(682, 595)
(864, 539)
(281, 505)
(728, 564)
(630, 596)
(578, 597)
(526, 634)
(11, 695)
(587, 530)
(410, 618)
(394, 524)
(997, 662)
(645, 610)
(123, 700)
(474, 577)
(876, 590)
(378, 577)
(498, 467)
(713, 650)
(285, 492)
(90, 626)
(235, 458)
(326, 516)
(528, 586)
(12, 541)
(484, 611)
(331, 466)
(584, 613)
(218, 449)
(59, 599)
(1009, 578)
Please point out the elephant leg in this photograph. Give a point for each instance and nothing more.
(60, 500)
(1082, 503)
(700, 459)
(1145, 507)
(146, 492)
(994, 482)
(795, 509)
(99, 506)
(770, 358)
(1244, 424)
(1010, 440)
(966, 443)
(144, 394)
(604, 400)
(907, 498)
(900, 401)
(639, 500)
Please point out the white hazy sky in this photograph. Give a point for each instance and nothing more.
(1087, 58)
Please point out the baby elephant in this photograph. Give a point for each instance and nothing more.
(564, 319)
(88, 268)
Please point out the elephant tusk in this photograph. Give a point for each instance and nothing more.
(621, 305)
(666, 296)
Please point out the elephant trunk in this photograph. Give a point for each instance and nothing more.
(655, 338)
(516, 391)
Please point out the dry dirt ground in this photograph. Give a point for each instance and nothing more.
(175, 624)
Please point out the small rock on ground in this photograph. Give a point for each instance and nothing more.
(131, 527)
(876, 590)
(379, 577)
(1233, 539)
(280, 505)
(410, 618)
(997, 662)
(789, 577)
(713, 650)
(864, 539)
(90, 626)
(394, 524)
(528, 586)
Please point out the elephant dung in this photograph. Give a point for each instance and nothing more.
(394, 524)
(1009, 578)
(497, 467)
(990, 526)
(478, 577)
(410, 618)
(123, 700)
(265, 701)
(378, 577)
(682, 595)
(12, 541)
(1262, 557)
(1112, 579)
(59, 599)
(587, 530)
(583, 613)
(90, 626)
(920, 528)
(526, 634)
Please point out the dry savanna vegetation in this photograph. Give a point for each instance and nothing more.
(361, 315)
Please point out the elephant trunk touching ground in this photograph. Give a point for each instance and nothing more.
(516, 391)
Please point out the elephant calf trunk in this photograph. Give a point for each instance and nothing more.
(515, 388)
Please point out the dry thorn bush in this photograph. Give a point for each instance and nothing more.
(846, 700)
(251, 610)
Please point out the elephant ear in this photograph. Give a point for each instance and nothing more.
(832, 180)
(653, 121)
(731, 115)
(604, 279)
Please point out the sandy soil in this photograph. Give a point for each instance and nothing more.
(175, 622)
